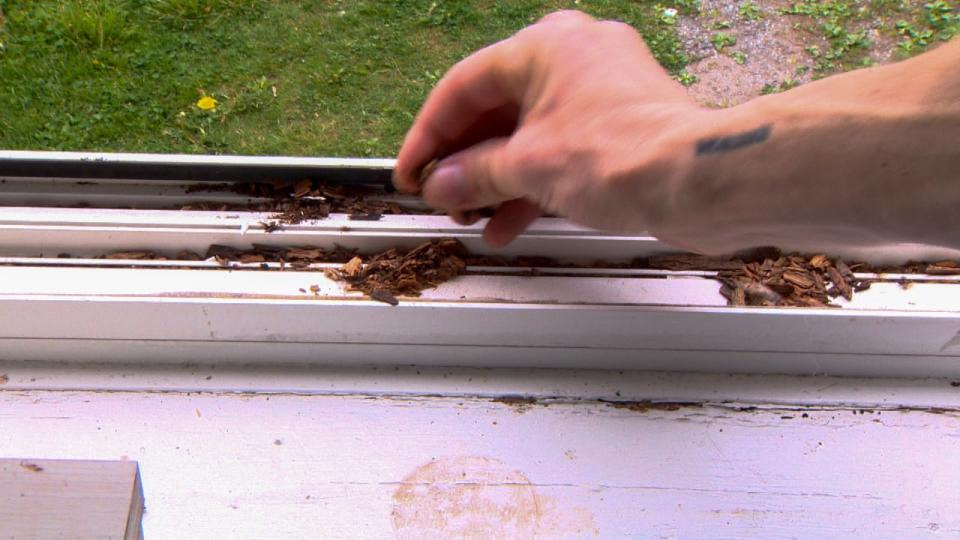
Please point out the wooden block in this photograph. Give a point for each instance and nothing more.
(42, 499)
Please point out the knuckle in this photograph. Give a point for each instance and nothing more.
(617, 27)
(566, 16)
(490, 171)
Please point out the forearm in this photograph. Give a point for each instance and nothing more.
(867, 157)
(604, 137)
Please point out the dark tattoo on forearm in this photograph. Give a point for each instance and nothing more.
(717, 145)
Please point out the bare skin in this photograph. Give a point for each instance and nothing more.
(574, 117)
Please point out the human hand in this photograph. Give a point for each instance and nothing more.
(570, 116)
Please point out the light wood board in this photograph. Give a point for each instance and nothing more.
(57, 498)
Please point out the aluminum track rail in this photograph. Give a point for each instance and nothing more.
(84, 308)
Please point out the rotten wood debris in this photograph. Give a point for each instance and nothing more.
(791, 280)
(763, 277)
(295, 202)
(767, 277)
(297, 258)
(403, 272)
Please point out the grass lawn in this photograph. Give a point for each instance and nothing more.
(333, 78)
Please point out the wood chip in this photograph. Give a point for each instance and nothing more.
(383, 295)
(305, 253)
(186, 255)
(840, 285)
(363, 216)
(134, 255)
(300, 211)
(944, 268)
(804, 281)
(692, 262)
(252, 258)
(845, 271)
(734, 294)
(352, 269)
(758, 294)
(302, 188)
(271, 226)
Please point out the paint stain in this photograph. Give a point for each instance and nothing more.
(479, 497)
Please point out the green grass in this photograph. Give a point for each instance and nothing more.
(721, 40)
(750, 11)
(290, 77)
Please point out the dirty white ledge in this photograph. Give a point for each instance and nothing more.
(262, 453)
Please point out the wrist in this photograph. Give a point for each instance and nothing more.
(708, 202)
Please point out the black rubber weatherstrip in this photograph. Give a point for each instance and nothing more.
(213, 172)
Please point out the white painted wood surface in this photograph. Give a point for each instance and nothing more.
(426, 453)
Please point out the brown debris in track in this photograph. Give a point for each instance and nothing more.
(297, 257)
(761, 277)
(296, 202)
(402, 272)
(791, 280)
(765, 277)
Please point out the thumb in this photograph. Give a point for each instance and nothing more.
(480, 176)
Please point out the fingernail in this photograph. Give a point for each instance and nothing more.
(465, 217)
(472, 216)
(447, 187)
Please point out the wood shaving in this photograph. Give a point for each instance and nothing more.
(134, 255)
